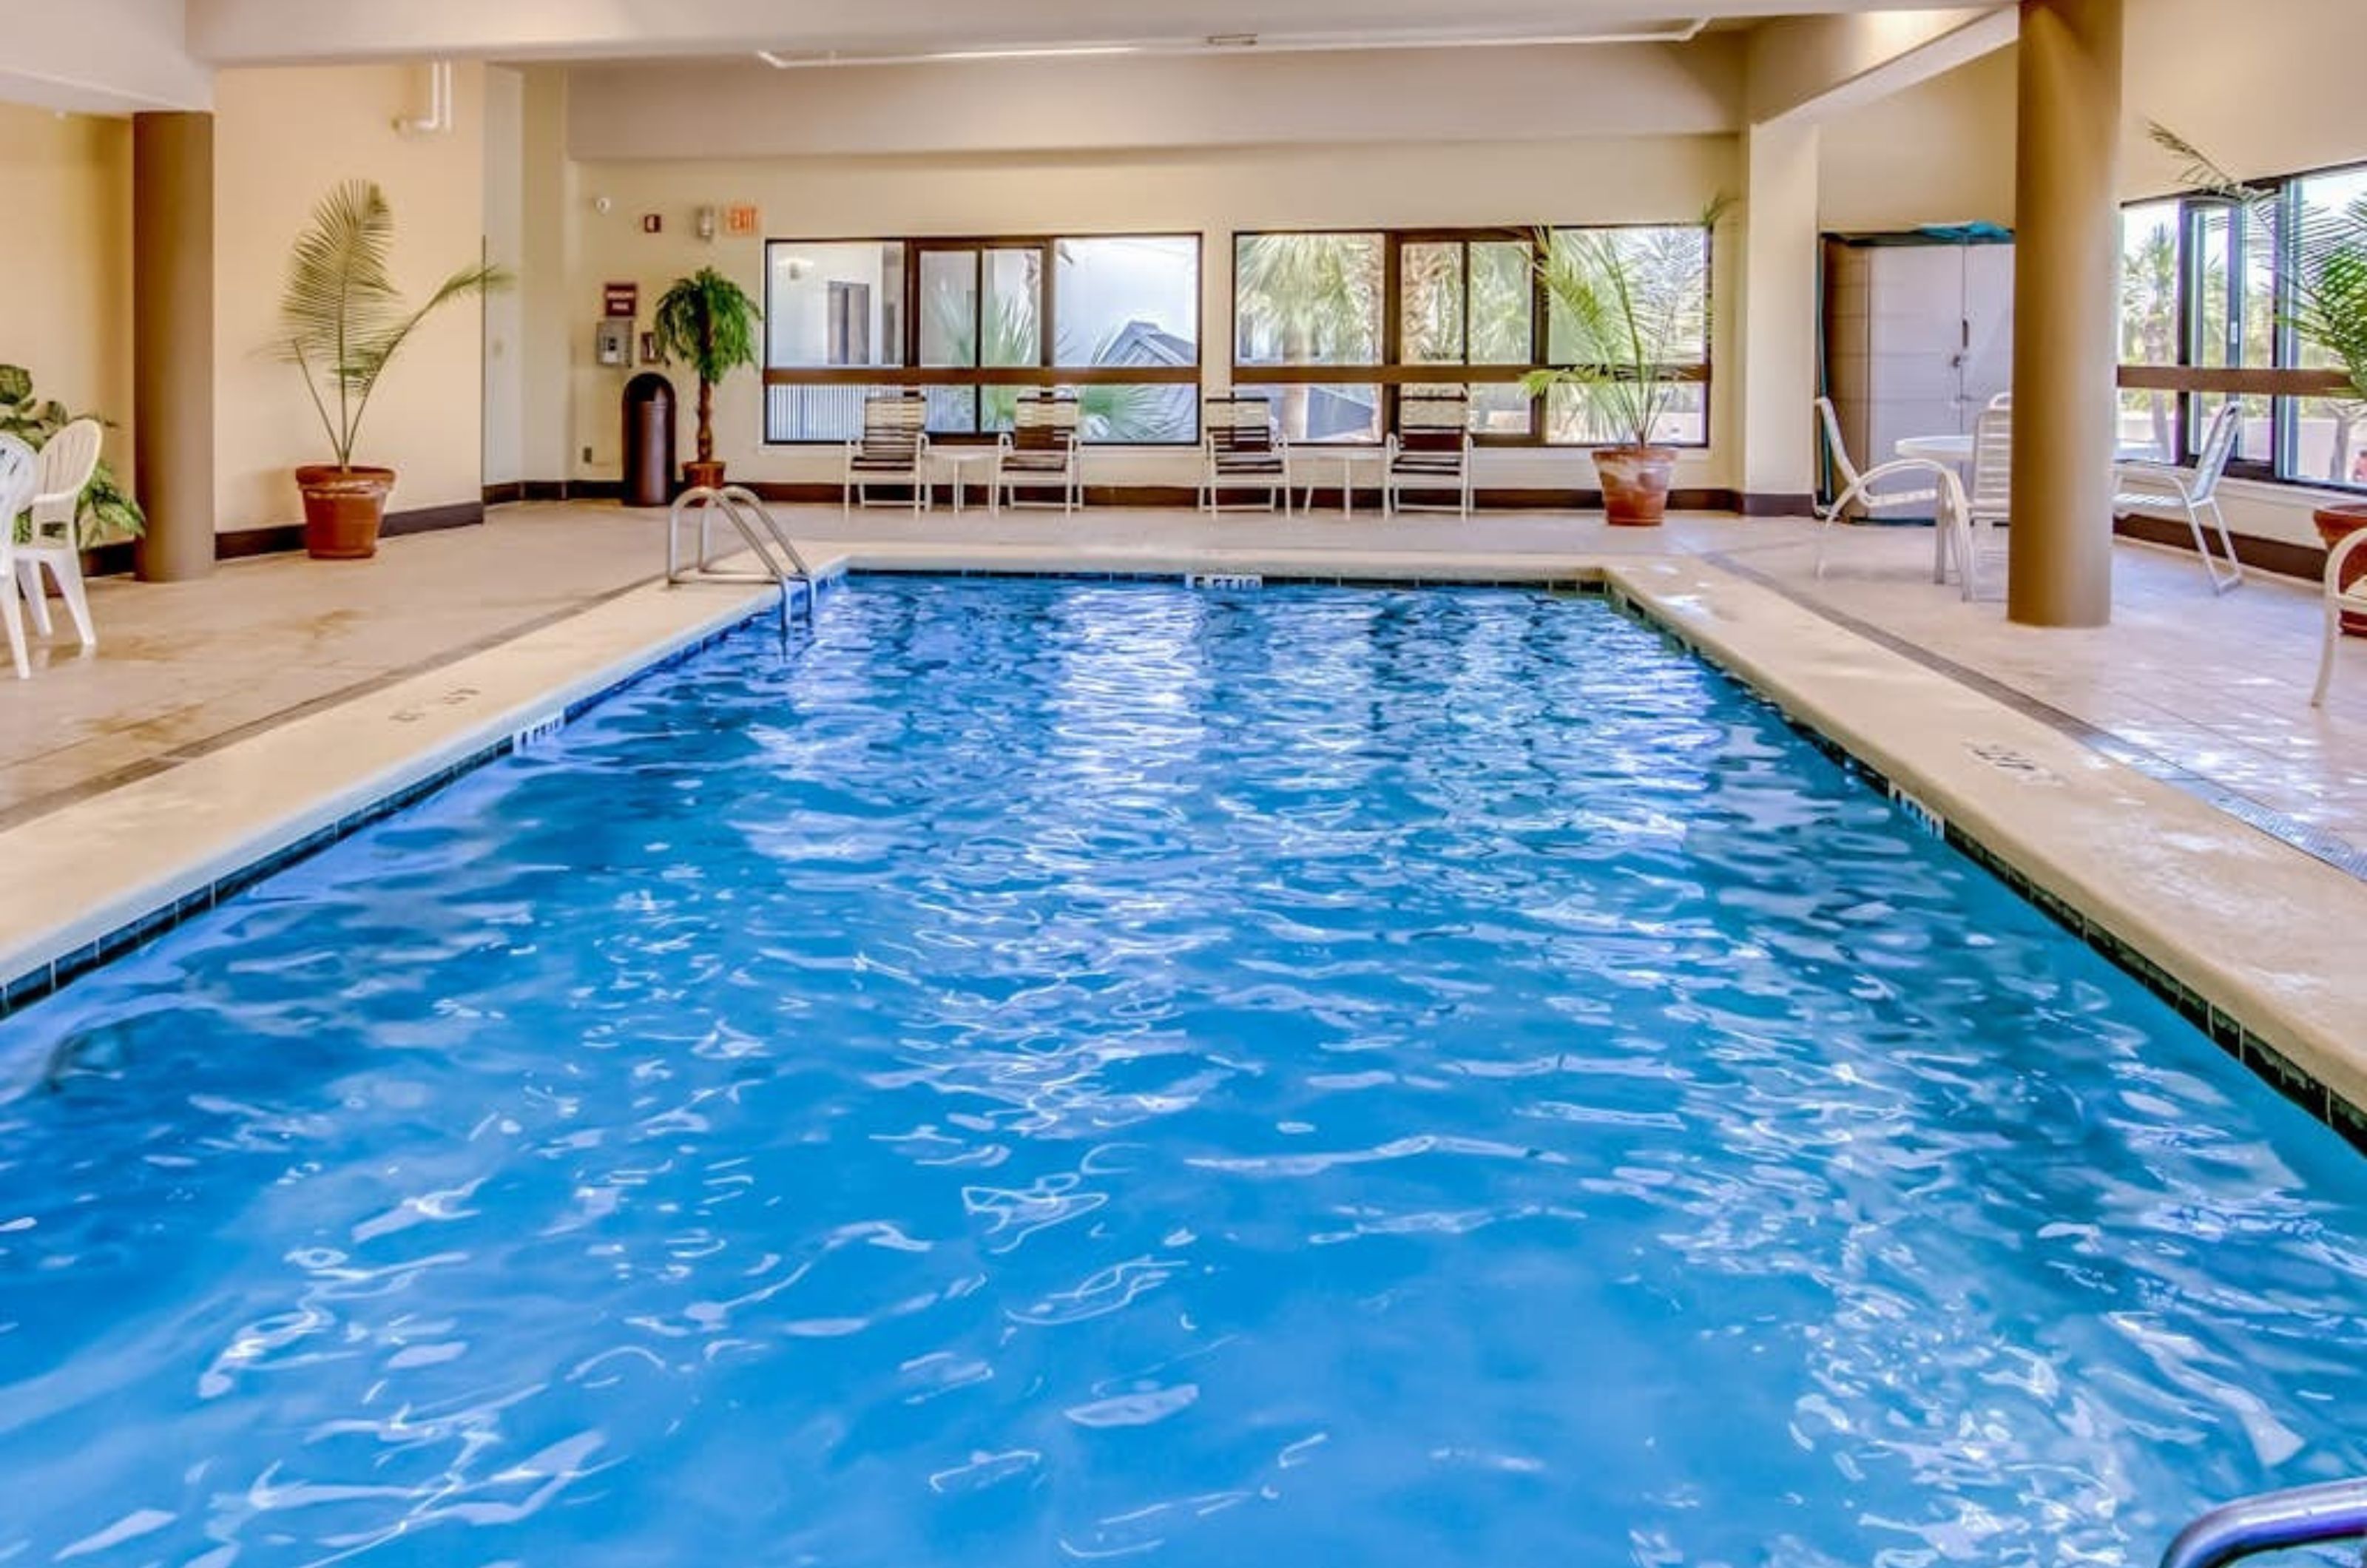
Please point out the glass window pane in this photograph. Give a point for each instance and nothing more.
(1143, 413)
(2330, 442)
(2149, 427)
(1008, 332)
(1307, 299)
(1132, 299)
(1343, 412)
(1575, 416)
(1500, 407)
(835, 304)
(1666, 300)
(948, 309)
(1503, 302)
(1430, 308)
(815, 413)
(2149, 284)
(2234, 317)
(952, 410)
(2330, 260)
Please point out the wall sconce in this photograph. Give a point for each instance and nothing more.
(705, 222)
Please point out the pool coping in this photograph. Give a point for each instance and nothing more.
(2115, 856)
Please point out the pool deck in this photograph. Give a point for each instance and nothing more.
(2164, 777)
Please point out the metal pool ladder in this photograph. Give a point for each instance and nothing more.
(757, 528)
(2325, 1515)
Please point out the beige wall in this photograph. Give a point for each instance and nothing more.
(285, 136)
(65, 312)
(1942, 152)
(101, 57)
(504, 313)
(1211, 192)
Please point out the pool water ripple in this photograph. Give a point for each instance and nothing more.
(1056, 1072)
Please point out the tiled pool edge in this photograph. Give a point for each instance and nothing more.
(32, 974)
(434, 768)
(2229, 1028)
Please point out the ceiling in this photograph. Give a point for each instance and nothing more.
(231, 32)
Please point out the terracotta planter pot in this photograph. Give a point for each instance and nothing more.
(2336, 523)
(1635, 484)
(343, 509)
(697, 475)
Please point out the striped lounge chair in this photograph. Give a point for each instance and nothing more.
(1430, 451)
(1040, 452)
(892, 450)
(1242, 451)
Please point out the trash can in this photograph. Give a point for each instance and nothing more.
(649, 440)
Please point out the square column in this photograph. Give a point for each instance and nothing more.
(1780, 311)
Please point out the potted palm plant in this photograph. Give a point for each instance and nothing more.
(707, 319)
(342, 322)
(1629, 307)
(2328, 309)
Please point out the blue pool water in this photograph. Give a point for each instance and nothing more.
(1056, 1072)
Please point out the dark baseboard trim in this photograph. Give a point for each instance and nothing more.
(506, 494)
(1773, 505)
(433, 519)
(244, 543)
(2305, 561)
(809, 492)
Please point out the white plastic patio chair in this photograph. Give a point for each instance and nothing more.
(1859, 488)
(2337, 600)
(1976, 539)
(17, 465)
(64, 472)
(2157, 488)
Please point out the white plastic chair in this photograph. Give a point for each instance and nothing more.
(2158, 487)
(1859, 488)
(64, 472)
(1983, 512)
(2337, 600)
(17, 465)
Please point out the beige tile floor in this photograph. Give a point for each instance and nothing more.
(2217, 687)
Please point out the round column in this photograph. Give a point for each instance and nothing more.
(173, 342)
(2067, 312)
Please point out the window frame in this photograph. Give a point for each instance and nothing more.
(1047, 373)
(1394, 372)
(2285, 382)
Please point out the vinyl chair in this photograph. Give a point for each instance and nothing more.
(1242, 449)
(1872, 487)
(892, 450)
(2157, 488)
(2337, 601)
(63, 473)
(17, 465)
(1041, 452)
(1431, 450)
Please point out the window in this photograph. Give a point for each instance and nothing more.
(1335, 324)
(2208, 291)
(975, 324)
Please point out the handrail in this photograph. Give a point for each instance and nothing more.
(739, 505)
(2330, 1512)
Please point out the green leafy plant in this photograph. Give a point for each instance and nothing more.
(1628, 305)
(2328, 253)
(108, 509)
(708, 321)
(342, 320)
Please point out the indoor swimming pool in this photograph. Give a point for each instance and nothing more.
(1055, 1071)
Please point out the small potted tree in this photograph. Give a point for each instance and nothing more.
(1627, 305)
(2329, 310)
(709, 322)
(109, 511)
(342, 322)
